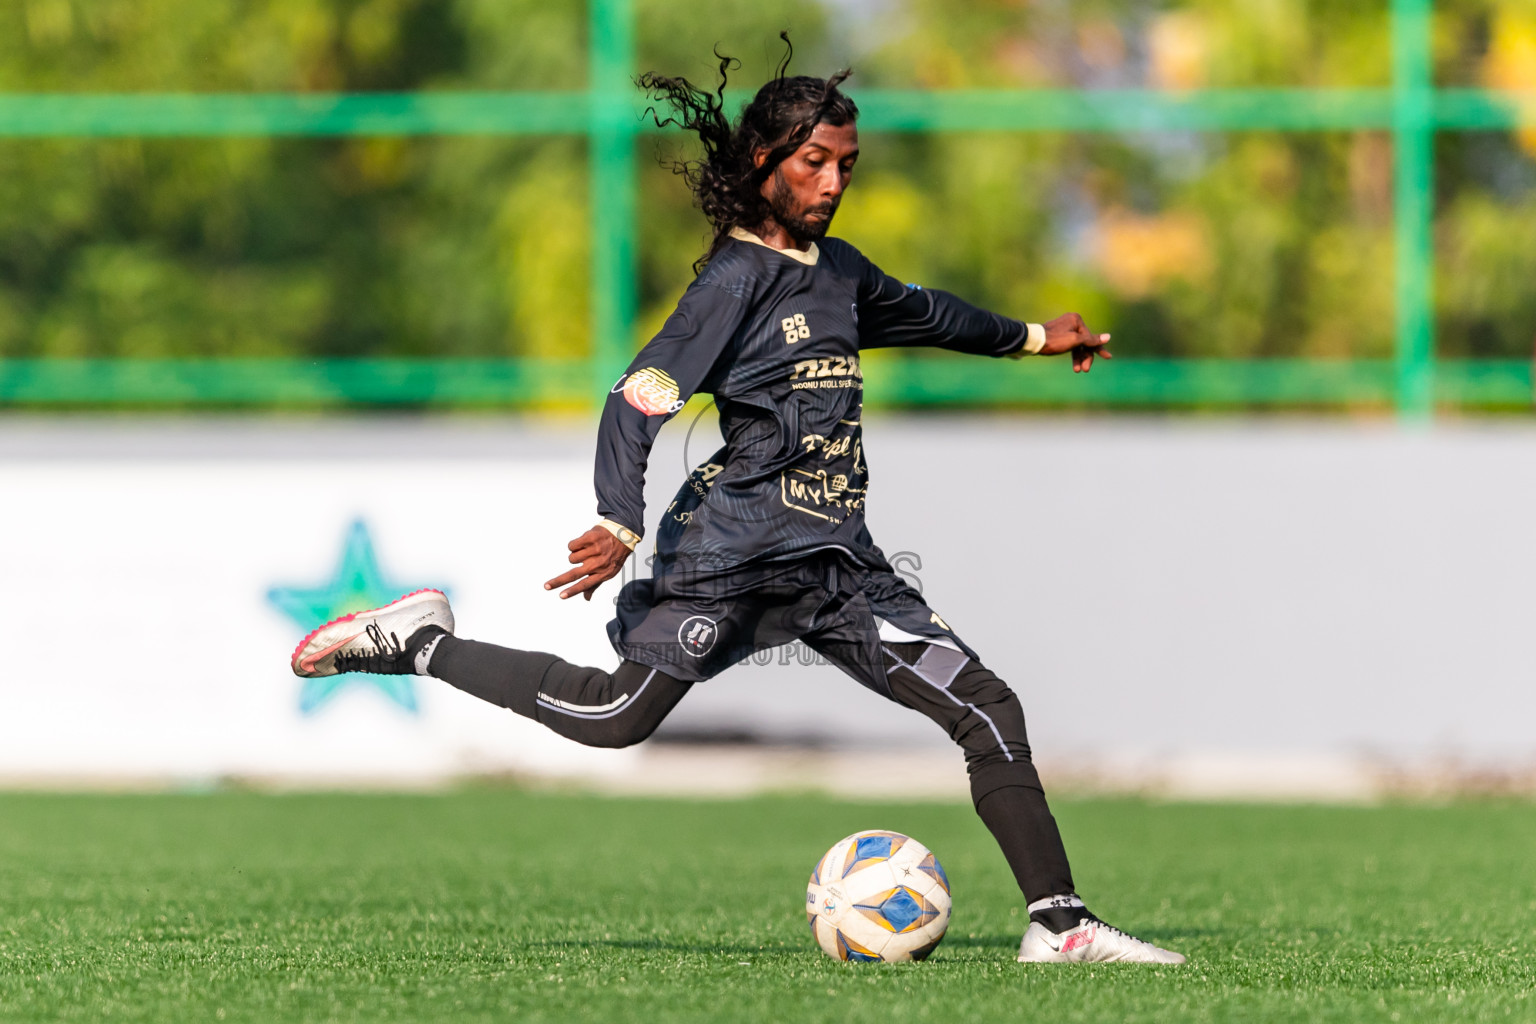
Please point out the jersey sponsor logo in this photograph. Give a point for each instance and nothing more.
(820, 495)
(831, 447)
(652, 391)
(795, 328)
(829, 372)
(697, 634)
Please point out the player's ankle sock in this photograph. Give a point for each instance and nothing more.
(422, 645)
(1059, 913)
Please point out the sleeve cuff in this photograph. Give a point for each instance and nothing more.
(629, 538)
(1034, 341)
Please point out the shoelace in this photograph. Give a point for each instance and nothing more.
(384, 648)
(1116, 931)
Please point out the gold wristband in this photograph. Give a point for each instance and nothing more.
(629, 538)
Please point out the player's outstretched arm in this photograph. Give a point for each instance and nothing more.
(1068, 333)
(892, 314)
(598, 556)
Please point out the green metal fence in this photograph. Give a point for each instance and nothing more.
(1412, 110)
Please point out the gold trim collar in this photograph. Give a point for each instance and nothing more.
(806, 256)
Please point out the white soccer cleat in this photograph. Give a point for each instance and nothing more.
(1091, 942)
(377, 641)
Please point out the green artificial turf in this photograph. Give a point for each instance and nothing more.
(499, 905)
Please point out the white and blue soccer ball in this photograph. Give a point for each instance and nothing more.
(878, 896)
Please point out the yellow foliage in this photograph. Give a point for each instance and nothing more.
(1180, 48)
(1511, 60)
(380, 161)
(50, 21)
(545, 255)
(1138, 254)
(372, 30)
(883, 215)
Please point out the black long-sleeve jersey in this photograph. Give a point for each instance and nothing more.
(775, 337)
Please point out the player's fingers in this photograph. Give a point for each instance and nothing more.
(566, 577)
(586, 583)
(584, 554)
(598, 581)
(589, 574)
(585, 586)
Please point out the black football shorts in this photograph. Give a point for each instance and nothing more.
(694, 625)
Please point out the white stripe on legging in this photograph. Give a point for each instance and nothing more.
(958, 702)
(599, 710)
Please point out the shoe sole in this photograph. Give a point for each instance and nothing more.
(298, 659)
(1090, 963)
(1095, 963)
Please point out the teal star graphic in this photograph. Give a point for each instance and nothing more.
(356, 585)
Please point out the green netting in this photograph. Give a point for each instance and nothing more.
(1412, 110)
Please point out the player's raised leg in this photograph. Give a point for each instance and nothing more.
(414, 635)
(983, 715)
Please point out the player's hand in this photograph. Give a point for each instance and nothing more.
(598, 555)
(1068, 333)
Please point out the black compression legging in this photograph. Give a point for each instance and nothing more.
(592, 707)
(621, 708)
(982, 714)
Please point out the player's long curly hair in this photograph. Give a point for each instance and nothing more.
(726, 183)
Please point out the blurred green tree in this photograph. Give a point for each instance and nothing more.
(1248, 244)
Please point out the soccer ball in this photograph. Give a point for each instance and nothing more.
(878, 896)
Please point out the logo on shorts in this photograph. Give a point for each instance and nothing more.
(697, 635)
(652, 391)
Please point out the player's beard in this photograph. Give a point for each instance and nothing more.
(798, 222)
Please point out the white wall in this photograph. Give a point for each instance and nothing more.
(141, 640)
(1175, 587)
(1197, 588)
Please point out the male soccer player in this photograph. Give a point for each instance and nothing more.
(765, 543)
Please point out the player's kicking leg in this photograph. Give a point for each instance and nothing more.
(414, 635)
(985, 717)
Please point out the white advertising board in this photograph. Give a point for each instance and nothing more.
(151, 605)
(1213, 599)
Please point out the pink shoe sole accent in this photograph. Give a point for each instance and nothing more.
(293, 661)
